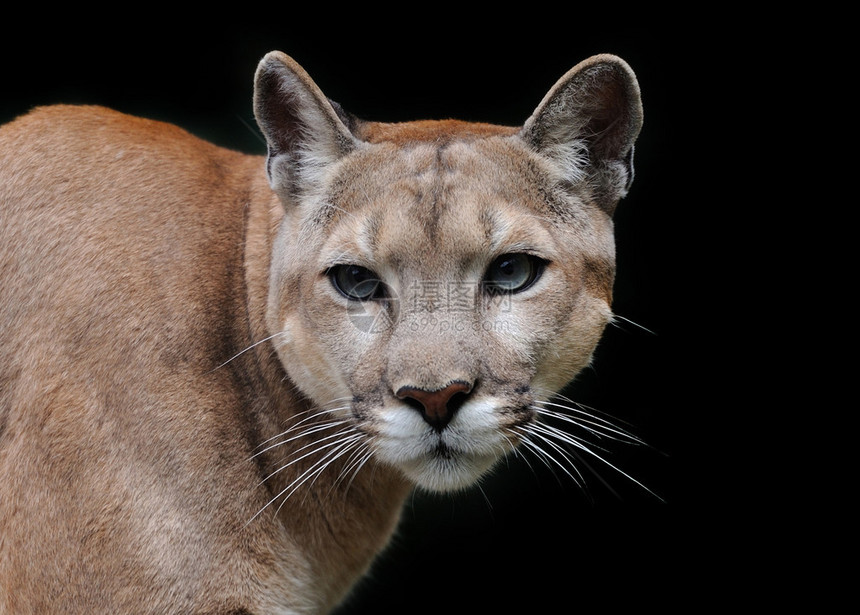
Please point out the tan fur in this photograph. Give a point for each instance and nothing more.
(165, 313)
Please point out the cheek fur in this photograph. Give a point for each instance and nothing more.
(570, 349)
(335, 346)
(309, 364)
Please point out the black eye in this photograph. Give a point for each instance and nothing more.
(511, 273)
(356, 282)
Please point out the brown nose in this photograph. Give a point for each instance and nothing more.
(437, 407)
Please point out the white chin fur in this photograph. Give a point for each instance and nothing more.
(455, 459)
(449, 473)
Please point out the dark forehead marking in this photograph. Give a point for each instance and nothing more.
(431, 209)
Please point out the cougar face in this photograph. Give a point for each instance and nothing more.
(433, 290)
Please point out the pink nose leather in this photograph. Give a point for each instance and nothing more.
(436, 406)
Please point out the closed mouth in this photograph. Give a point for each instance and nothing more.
(443, 451)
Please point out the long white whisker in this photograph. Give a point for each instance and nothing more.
(368, 454)
(359, 454)
(314, 470)
(595, 425)
(544, 437)
(620, 471)
(307, 432)
(616, 317)
(519, 454)
(318, 447)
(353, 459)
(563, 436)
(545, 457)
(254, 345)
(317, 467)
(321, 465)
(576, 443)
(301, 422)
(585, 425)
(574, 406)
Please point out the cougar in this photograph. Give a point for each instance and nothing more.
(222, 374)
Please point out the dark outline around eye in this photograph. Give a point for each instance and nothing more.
(378, 290)
(538, 265)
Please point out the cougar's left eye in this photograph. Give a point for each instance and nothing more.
(356, 282)
(512, 273)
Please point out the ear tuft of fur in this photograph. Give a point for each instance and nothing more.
(304, 131)
(587, 125)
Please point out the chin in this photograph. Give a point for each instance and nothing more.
(447, 471)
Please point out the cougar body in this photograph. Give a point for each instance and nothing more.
(221, 374)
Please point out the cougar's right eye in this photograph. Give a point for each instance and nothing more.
(356, 283)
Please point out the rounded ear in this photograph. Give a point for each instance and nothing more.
(587, 124)
(304, 132)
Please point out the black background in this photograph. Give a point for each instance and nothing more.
(529, 540)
